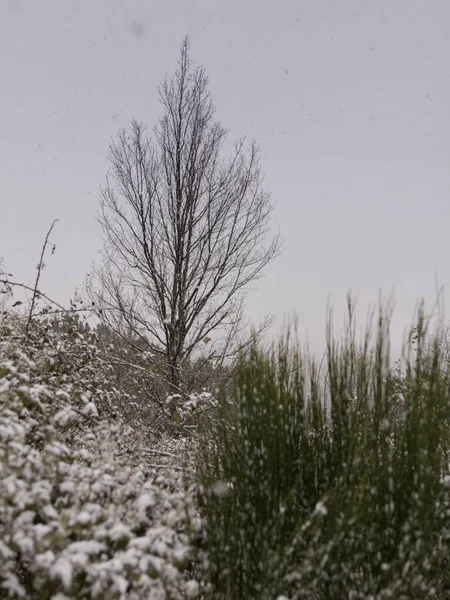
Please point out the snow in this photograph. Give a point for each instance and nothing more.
(191, 589)
(446, 481)
(67, 487)
(63, 570)
(321, 509)
(220, 489)
(83, 518)
(120, 532)
(90, 409)
(86, 547)
(146, 500)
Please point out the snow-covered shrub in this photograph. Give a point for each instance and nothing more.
(80, 515)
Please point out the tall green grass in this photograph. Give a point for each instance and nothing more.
(330, 483)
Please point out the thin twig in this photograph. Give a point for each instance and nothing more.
(7, 282)
(36, 293)
(161, 452)
(175, 468)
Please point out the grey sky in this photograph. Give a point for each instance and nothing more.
(349, 100)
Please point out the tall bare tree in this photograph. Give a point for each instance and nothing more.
(184, 230)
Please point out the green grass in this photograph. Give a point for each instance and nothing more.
(328, 484)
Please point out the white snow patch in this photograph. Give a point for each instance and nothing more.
(321, 509)
(62, 569)
(86, 547)
(191, 589)
(446, 481)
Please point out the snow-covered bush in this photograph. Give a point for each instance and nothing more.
(81, 516)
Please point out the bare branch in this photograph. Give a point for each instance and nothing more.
(8, 282)
(40, 267)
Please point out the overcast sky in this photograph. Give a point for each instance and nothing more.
(349, 100)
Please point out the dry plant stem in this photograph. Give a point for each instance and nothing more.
(36, 293)
(7, 282)
(162, 453)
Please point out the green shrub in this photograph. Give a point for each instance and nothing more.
(330, 485)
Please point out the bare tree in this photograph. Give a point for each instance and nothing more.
(183, 228)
